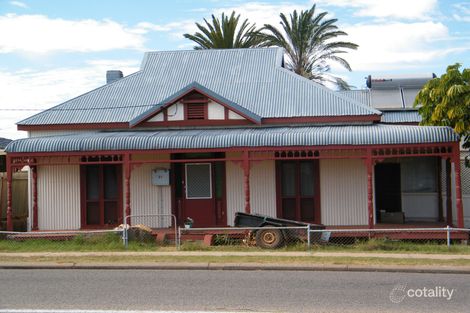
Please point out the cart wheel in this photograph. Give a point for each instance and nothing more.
(269, 238)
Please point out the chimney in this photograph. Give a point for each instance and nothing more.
(112, 76)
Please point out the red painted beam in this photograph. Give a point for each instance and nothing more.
(35, 197)
(127, 171)
(9, 194)
(246, 175)
(370, 203)
(458, 186)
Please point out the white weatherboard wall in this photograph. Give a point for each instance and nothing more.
(59, 197)
(262, 189)
(147, 199)
(215, 111)
(343, 192)
(234, 187)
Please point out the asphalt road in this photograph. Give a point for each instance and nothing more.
(245, 291)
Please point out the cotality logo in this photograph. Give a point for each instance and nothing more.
(398, 293)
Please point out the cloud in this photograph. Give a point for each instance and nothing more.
(383, 46)
(263, 13)
(461, 12)
(28, 89)
(60, 35)
(397, 9)
(19, 4)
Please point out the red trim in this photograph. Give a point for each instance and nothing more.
(321, 119)
(439, 190)
(458, 186)
(370, 191)
(127, 170)
(246, 180)
(74, 126)
(186, 122)
(449, 192)
(166, 105)
(35, 197)
(9, 194)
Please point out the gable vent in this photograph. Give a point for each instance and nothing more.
(195, 111)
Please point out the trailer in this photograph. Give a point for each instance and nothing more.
(271, 238)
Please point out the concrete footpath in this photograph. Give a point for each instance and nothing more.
(22, 261)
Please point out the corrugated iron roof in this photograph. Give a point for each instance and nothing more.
(359, 95)
(402, 116)
(252, 78)
(237, 137)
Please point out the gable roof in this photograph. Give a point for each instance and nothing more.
(254, 79)
(194, 86)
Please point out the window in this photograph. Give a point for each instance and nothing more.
(101, 195)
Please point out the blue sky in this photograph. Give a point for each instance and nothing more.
(51, 51)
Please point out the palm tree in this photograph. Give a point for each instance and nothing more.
(309, 42)
(225, 33)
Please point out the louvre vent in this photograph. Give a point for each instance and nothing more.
(195, 111)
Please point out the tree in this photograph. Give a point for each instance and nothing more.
(225, 33)
(446, 101)
(310, 45)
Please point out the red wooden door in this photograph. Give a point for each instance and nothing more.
(199, 201)
(298, 191)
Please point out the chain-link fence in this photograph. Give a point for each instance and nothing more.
(138, 237)
(390, 239)
(299, 238)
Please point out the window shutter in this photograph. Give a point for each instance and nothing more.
(195, 111)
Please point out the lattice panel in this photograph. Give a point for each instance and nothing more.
(198, 181)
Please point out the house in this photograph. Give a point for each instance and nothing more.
(394, 96)
(207, 133)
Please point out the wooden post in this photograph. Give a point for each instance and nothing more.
(439, 191)
(458, 187)
(9, 194)
(449, 193)
(370, 190)
(127, 175)
(246, 173)
(35, 197)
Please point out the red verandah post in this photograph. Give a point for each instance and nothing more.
(370, 204)
(34, 172)
(458, 188)
(246, 173)
(9, 194)
(127, 177)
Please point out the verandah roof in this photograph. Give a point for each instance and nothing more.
(377, 134)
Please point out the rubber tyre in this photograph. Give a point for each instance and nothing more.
(269, 238)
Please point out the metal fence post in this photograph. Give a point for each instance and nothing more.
(448, 236)
(308, 237)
